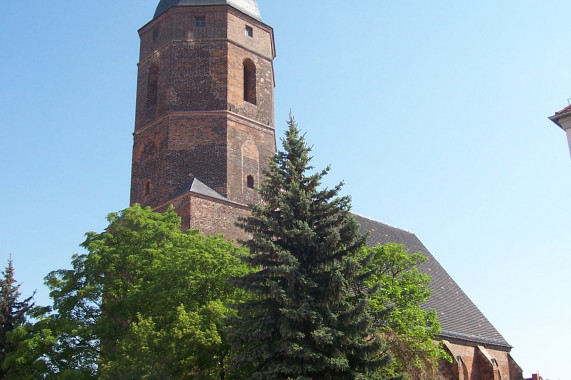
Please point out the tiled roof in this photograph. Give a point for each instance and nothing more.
(457, 314)
(564, 110)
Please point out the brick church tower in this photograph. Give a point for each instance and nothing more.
(204, 124)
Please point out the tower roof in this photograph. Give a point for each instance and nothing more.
(249, 7)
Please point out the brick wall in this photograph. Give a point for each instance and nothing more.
(210, 216)
(472, 362)
(197, 122)
(250, 147)
(188, 146)
(214, 217)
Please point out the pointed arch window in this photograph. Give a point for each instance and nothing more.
(249, 81)
(152, 85)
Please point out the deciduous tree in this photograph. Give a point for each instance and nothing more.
(408, 329)
(146, 301)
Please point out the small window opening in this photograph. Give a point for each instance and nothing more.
(249, 31)
(147, 187)
(250, 181)
(155, 34)
(200, 21)
(152, 85)
(249, 81)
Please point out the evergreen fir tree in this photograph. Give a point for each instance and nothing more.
(12, 311)
(308, 317)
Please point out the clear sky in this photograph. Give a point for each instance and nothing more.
(433, 113)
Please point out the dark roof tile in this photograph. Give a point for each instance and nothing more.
(458, 315)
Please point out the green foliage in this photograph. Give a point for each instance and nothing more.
(408, 329)
(188, 348)
(39, 354)
(13, 314)
(146, 301)
(310, 318)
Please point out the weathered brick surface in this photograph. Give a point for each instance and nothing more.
(191, 77)
(218, 148)
(187, 147)
(201, 68)
(210, 216)
(249, 150)
(192, 118)
(214, 217)
(479, 363)
(149, 158)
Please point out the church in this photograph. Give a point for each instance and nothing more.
(205, 130)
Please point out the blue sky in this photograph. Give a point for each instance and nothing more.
(433, 113)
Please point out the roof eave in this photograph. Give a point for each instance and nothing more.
(558, 116)
(254, 19)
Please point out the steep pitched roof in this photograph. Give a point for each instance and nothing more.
(458, 316)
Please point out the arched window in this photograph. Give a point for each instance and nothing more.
(152, 85)
(250, 181)
(249, 81)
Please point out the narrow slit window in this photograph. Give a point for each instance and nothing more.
(147, 187)
(249, 81)
(152, 85)
(250, 182)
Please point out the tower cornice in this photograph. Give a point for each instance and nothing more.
(231, 115)
(258, 21)
(232, 41)
(248, 7)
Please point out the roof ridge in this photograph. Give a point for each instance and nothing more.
(386, 224)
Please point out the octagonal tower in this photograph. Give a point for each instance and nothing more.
(204, 124)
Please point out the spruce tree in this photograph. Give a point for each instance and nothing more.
(12, 310)
(308, 317)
